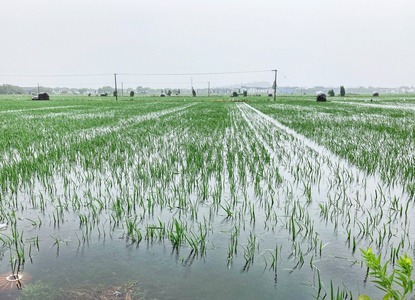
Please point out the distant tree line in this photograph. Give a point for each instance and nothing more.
(342, 92)
(8, 89)
(106, 89)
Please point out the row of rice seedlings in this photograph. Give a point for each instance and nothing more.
(379, 148)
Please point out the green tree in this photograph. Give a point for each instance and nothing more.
(42, 89)
(106, 89)
(8, 89)
(331, 93)
(245, 93)
(235, 94)
(82, 90)
(342, 91)
(169, 93)
(131, 93)
(193, 92)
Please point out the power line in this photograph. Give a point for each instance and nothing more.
(192, 74)
(135, 74)
(162, 82)
(56, 75)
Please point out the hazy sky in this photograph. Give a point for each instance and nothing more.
(310, 42)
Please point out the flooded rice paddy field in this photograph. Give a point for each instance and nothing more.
(195, 198)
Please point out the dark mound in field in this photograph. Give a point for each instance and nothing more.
(41, 96)
(321, 97)
(375, 94)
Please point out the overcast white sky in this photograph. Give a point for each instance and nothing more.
(310, 42)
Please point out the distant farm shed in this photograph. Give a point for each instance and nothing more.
(321, 97)
(41, 96)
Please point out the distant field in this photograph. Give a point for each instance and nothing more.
(361, 97)
(194, 197)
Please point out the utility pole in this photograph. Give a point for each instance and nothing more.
(275, 85)
(208, 89)
(116, 92)
(122, 89)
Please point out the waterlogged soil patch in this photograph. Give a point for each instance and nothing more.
(40, 290)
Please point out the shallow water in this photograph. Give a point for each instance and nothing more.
(282, 191)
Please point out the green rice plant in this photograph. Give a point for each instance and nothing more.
(340, 294)
(177, 233)
(320, 283)
(193, 242)
(57, 240)
(33, 222)
(6, 240)
(249, 250)
(274, 258)
(133, 231)
(227, 209)
(202, 238)
(307, 191)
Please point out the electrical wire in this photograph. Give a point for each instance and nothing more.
(192, 74)
(56, 75)
(136, 74)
